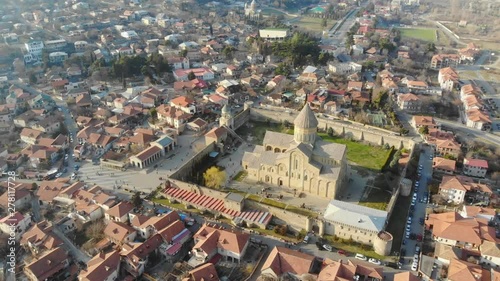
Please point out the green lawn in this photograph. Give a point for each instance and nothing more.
(313, 24)
(424, 34)
(371, 157)
(353, 248)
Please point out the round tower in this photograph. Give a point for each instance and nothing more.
(382, 243)
(226, 118)
(305, 126)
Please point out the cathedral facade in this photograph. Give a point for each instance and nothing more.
(302, 162)
(251, 11)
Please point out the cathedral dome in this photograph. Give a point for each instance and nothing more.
(306, 119)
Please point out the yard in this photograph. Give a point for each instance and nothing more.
(424, 34)
(371, 157)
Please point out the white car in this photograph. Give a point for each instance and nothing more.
(374, 261)
(66, 156)
(58, 175)
(328, 248)
(414, 266)
(361, 257)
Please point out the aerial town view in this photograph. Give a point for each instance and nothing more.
(252, 140)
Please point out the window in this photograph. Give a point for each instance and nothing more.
(305, 177)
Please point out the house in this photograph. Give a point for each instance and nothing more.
(460, 270)
(469, 89)
(216, 135)
(147, 226)
(184, 103)
(452, 229)
(203, 73)
(417, 86)
(211, 240)
(478, 212)
(344, 68)
(104, 266)
(119, 212)
(172, 116)
(22, 197)
(469, 53)
(284, 261)
(444, 60)
(476, 118)
(49, 125)
(83, 100)
(490, 255)
(206, 272)
(15, 223)
(52, 265)
(419, 121)
(30, 136)
(475, 167)
(351, 270)
(448, 78)
(119, 233)
(197, 125)
(409, 102)
(444, 165)
(135, 256)
(40, 238)
(277, 82)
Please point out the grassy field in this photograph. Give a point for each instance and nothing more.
(353, 248)
(371, 157)
(313, 24)
(424, 34)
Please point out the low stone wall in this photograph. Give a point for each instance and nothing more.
(293, 220)
(187, 167)
(347, 129)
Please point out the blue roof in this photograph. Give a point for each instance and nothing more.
(165, 141)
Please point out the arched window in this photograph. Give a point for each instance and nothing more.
(305, 177)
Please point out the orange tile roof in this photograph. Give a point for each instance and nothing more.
(444, 164)
(182, 101)
(205, 272)
(209, 238)
(464, 271)
(118, 231)
(121, 209)
(49, 264)
(101, 266)
(424, 120)
(283, 260)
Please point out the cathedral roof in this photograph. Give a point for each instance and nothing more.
(225, 109)
(306, 119)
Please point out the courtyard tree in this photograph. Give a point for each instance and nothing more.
(330, 132)
(214, 177)
(136, 199)
(191, 76)
(424, 130)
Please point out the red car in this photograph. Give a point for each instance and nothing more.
(341, 252)
(419, 237)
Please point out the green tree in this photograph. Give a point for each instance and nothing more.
(214, 177)
(183, 53)
(191, 75)
(282, 69)
(154, 113)
(324, 22)
(228, 51)
(424, 130)
(298, 50)
(33, 78)
(330, 132)
(137, 200)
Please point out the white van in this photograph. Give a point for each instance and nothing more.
(306, 239)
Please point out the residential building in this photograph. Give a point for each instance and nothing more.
(104, 266)
(344, 68)
(469, 53)
(443, 165)
(478, 212)
(39, 238)
(58, 57)
(352, 270)
(173, 116)
(119, 212)
(291, 158)
(135, 256)
(55, 45)
(184, 103)
(16, 223)
(30, 136)
(444, 60)
(419, 121)
(203, 73)
(460, 270)
(452, 229)
(475, 167)
(50, 266)
(206, 272)
(448, 78)
(119, 233)
(409, 102)
(287, 262)
(475, 118)
(212, 239)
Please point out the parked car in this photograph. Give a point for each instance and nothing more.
(374, 261)
(341, 252)
(414, 266)
(306, 239)
(58, 175)
(328, 248)
(361, 257)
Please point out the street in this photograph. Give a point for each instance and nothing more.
(336, 36)
(419, 212)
